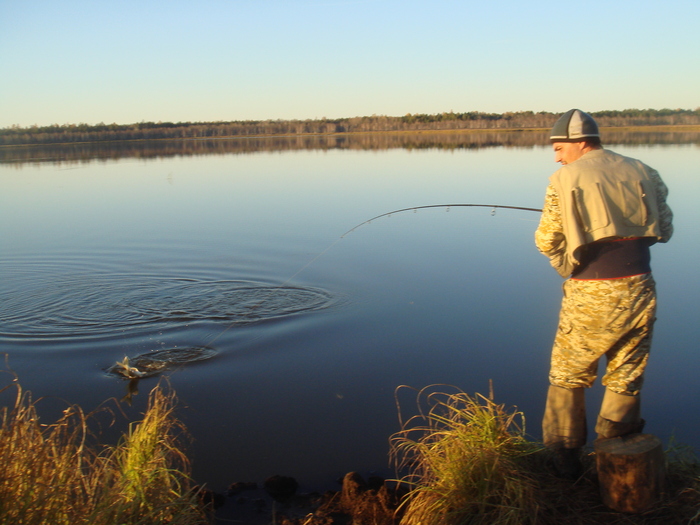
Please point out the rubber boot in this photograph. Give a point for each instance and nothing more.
(564, 429)
(564, 423)
(619, 416)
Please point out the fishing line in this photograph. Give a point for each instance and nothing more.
(493, 206)
(280, 287)
(414, 208)
(134, 374)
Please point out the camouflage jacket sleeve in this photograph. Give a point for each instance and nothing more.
(549, 237)
(665, 213)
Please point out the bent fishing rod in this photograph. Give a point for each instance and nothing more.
(314, 259)
(414, 208)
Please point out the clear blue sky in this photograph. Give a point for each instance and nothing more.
(154, 60)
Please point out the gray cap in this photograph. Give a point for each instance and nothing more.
(574, 125)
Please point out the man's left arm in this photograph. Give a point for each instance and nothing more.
(665, 213)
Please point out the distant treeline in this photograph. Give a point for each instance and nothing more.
(86, 152)
(474, 120)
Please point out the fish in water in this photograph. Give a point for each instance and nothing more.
(123, 368)
(152, 363)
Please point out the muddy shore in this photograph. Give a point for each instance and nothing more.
(279, 500)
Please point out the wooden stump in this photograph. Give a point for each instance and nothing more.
(631, 471)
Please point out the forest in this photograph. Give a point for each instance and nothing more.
(474, 120)
(85, 152)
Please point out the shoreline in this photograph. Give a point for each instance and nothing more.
(665, 128)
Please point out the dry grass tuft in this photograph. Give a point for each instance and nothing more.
(55, 473)
(466, 454)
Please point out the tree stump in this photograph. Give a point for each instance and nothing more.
(631, 471)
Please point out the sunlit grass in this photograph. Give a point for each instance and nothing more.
(57, 474)
(469, 461)
(465, 456)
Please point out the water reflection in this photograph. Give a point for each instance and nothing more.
(86, 152)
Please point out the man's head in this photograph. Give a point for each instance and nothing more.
(573, 135)
(568, 152)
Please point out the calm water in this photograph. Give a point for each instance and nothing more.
(242, 253)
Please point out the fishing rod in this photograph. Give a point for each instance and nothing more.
(336, 241)
(448, 206)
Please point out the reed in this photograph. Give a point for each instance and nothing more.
(57, 473)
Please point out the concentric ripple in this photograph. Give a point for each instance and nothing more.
(77, 305)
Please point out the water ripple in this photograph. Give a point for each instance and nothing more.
(77, 305)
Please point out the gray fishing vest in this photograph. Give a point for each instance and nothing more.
(604, 195)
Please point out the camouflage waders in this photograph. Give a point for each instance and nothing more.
(612, 318)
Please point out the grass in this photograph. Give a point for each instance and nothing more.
(468, 460)
(465, 455)
(57, 473)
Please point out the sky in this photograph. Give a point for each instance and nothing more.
(127, 61)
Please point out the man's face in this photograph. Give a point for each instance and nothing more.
(568, 152)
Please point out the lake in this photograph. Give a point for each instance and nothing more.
(246, 252)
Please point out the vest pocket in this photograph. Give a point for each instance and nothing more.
(632, 199)
(591, 207)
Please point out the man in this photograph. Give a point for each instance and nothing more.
(602, 212)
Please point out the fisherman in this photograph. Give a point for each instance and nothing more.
(601, 214)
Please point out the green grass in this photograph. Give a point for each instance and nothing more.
(468, 460)
(58, 474)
